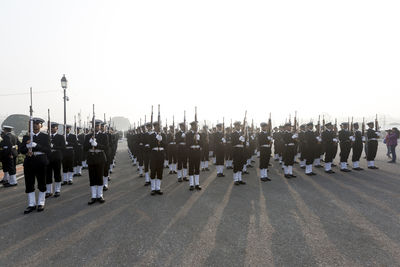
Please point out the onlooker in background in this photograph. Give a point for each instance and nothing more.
(391, 142)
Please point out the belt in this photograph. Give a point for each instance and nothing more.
(195, 147)
(147, 145)
(16, 147)
(158, 148)
(54, 150)
(140, 144)
(265, 146)
(228, 142)
(182, 143)
(172, 143)
(38, 153)
(239, 146)
(290, 144)
(68, 147)
(95, 150)
(372, 139)
(5, 147)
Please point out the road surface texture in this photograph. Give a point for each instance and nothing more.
(344, 219)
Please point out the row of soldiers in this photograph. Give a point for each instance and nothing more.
(235, 148)
(49, 154)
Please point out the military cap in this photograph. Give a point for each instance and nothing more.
(370, 123)
(37, 120)
(302, 126)
(344, 123)
(98, 122)
(219, 125)
(6, 127)
(155, 123)
(53, 124)
(288, 124)
(328, 124)
(263, 124)
(193, 123)
(237, 123)
(68, 126)
(148, 124)
(356, 123)
(171, 127)
(79, 128)
(310, 123)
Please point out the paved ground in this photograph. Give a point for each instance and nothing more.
(338, 220)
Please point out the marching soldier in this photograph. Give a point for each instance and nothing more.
(9, 154)
(238, 154)
(205, 155)
(95, 145)
(345, 146)
(264, 144)
(228, 149)
(172, 150)
(372, 140)
(147, 152)
(219, 145)
(57, 145)
(35, 165)
(301, 144)
(310, 142)
(357, 147)
(180, 138)
(194, 145)
(79, 152)
(157, 142)
(329, 141)
(106, 170)
(289, 150)
(68, 157)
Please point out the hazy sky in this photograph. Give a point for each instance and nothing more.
(336, 57)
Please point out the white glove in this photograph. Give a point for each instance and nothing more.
(183, 135)
(269, 138)
(363, 138)
(378, 134)
(197, 137)
(159, 137)
(51, 145)
(318, 138)
(223, 140)
(252, 137)
(34, 144)
(93, 142)
(295, 136)
(28, 145)
(66, 143)
(335, 140)
(247, 144)
(241, 139)
(352, 138)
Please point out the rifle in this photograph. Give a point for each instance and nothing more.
(151, 119)
(269, 130)
(323, 122)
(31, 122)
(75, 126)
(376, 123)
(295, 122)
(351, 126)
(290, 118)
(319, 125)
(363, 127)
(336, 129)
(195, 119)
(48, 124)
(244, 125)
(159, 121)
(94, 125)
(173, 126)
(231, 125)
(223, 126)
(184, 119)
(252, 125)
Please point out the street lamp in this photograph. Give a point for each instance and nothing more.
(64, 83)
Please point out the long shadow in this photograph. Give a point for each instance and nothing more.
(288, 243)
(352, 241)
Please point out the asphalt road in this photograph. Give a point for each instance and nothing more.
(344, 219)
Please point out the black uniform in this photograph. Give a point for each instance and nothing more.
(372, 139)
(79, 150)
(194, 152)
(237, 152)
(329, 144)
(310, 143)
(55, 158)
(172, 150)
(96, 158)
(9, 153)
(182, 151)
(157, 155)
(264, 144)
(345, 144)
(219, 148)
(357, 146)
(69, 153)
(146, 151)
(289, 148)
(35, 165)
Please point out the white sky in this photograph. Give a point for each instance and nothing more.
(335, 57)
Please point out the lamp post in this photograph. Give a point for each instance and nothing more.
(64, 83)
